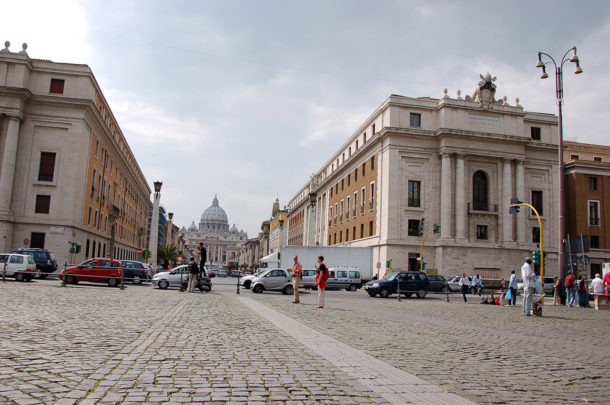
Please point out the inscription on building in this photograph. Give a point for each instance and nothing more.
(484, 121)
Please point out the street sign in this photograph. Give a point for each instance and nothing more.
(179, 259)
(26, 242)
(139, 252)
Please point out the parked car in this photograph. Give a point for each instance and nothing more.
(410, 282)
(454, 283)
(98, 270)
(308, 279)
(438, 283)
(273, 280)
(171, 278)
(20, 266)
(45, 260)
(549, 282)
(246, 281)
(347, 278)
(134, 272)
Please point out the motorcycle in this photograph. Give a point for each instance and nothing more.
(204, 283)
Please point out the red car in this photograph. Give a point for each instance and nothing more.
(97, 270)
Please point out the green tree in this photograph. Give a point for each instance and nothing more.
(167, 254)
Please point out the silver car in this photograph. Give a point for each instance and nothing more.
(273, 280)
(172, 278)
(246, 281)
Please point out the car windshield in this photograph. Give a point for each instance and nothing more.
(390, 276)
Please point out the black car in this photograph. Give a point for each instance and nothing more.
(438, 283)
(45, 260)
(135, 272)
(410, 282)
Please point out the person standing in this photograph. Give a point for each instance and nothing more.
(528, 276)
(193, 274)
(581, 287)
(513, 287)
(597, 285)
(570, 288)
(464, 285)
(321, 278)
(556, 291)
(203, 254)
(296, 272)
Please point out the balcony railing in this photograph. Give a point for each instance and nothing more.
(482, 207)
(594, 221)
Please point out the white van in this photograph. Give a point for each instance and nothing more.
(344, 278)
(22, 267)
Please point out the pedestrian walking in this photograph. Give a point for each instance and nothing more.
(570, 288)
(557, 291)
(477, 285)
(296, 270)
(321, 278)
(528, 276)
(202, 257)
(464, 285)
(193, 274)
(502, 286)
(581, 288)
(513, 286)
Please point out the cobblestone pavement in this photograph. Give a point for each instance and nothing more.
(101, 345)
(488, 354)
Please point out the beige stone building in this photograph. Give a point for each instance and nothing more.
(66, 172)
(454, 161)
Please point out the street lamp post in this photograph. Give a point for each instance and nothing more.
(559, 94)
(170, 235)
(154, 225)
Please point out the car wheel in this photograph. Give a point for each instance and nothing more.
(112, 282)
(352, 287)
(408, 295)
(163, 285)
(372, 294)
(70, 280)
(384, 292)
(247, 284)
(421, 293)
(257, 289)
(288, 290)
(19, 277)
(136, 279)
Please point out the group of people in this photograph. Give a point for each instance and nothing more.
(321, 277)
(475, 285)
(196, 270)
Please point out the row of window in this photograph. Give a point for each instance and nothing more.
(595, 158)
(335, 189)
(332, 239)
(349, 152)
(119, 253)
(342, 207)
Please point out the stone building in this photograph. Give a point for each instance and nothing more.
(454, 161)
(66, 173)
(214, 232)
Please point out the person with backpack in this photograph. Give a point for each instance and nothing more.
(513, 286)
(321, 279)
(570, 288)
(581, 287)
(193, 274)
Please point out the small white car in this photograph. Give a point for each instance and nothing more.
(273, 280)
(172, 278)
(21, 267)
(246, 281)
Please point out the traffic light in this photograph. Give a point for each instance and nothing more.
(421, 227)
(536, 257)
(78, 248)
(514, 210)
(437, 229)
(424, 265)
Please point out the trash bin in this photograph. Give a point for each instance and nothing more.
(602, 302)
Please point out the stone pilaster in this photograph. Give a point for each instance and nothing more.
(521, 219)
(446, 196)
(460, 199)
(9, 159)
(507, 188)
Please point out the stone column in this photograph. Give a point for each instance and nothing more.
(154, 231)
(460, 199)
(446, 196)
(522, 217)
(507, 189)
(9, 159)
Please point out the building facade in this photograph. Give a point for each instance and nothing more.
(587, 190)
(67, 174)
(214, 232)
(452, 161)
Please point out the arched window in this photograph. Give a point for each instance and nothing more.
(480, 201)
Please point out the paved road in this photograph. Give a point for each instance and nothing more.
(91, 344)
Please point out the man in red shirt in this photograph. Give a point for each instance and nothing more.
(296, 272)
(570, 288)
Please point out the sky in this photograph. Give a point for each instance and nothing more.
(245, 99)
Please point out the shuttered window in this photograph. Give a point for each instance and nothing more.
(43, 204)
(47, 166)
(57, 86)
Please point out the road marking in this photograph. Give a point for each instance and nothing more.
(391, 383)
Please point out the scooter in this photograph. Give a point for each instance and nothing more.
(204, 284)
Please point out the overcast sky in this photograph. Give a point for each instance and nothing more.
(245, 99)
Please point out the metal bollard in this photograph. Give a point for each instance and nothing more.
(398, 288)
(122, 279)
(4, 271)
(63, 281)
(447, 291)
(238, 277)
